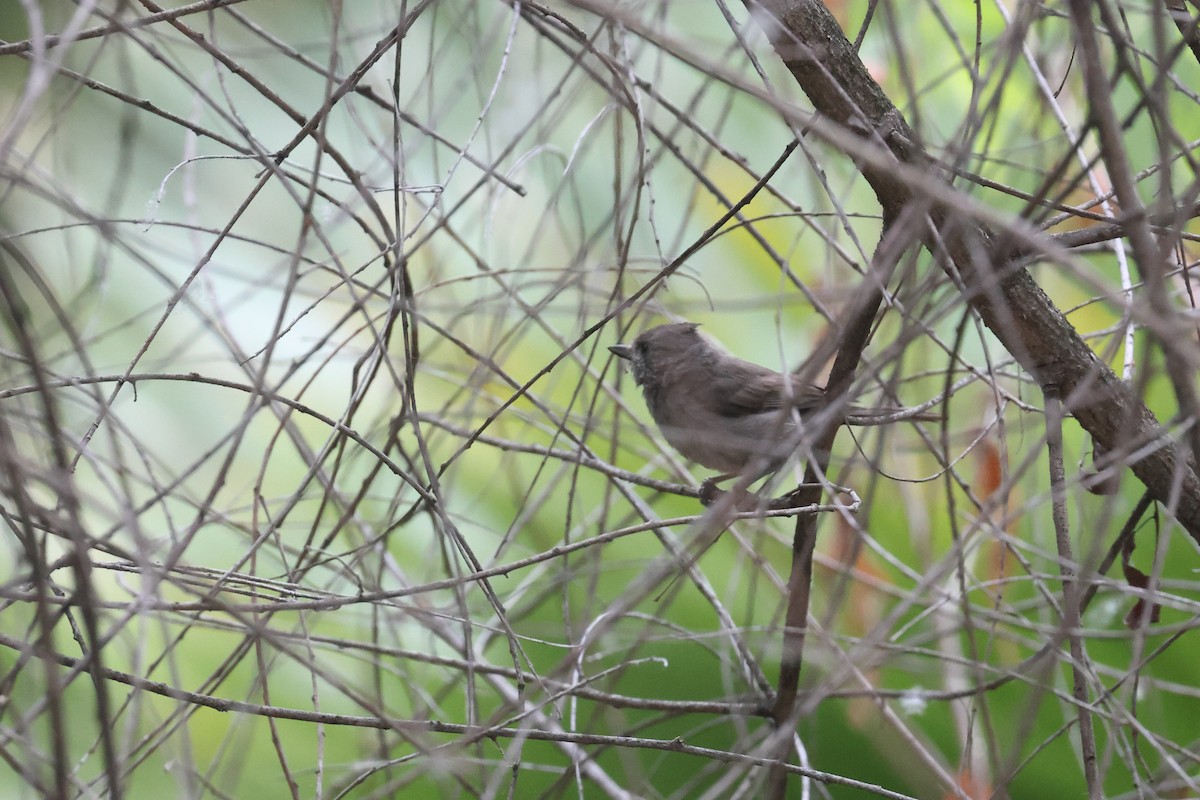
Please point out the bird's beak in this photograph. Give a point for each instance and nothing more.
(621, 351)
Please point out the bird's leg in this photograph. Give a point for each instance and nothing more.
(745, 500)
(785, 501)
(709, 493)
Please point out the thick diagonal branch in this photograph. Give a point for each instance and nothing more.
(1004, 295)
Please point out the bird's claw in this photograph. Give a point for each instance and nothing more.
(747, 501)
(788, 500)
(709, 493)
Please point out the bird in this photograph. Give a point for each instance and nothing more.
(727, 414)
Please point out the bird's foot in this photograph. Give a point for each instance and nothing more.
(709, 493)
(746, 501)
(788, 500)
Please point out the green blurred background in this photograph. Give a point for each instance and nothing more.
(527, 168)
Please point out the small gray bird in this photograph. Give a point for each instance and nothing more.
(725, 413)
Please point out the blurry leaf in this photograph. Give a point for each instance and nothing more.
(1138, 580)
(972, 786)
(989, 472)
(865, 604)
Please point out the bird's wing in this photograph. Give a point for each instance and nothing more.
(746, 388)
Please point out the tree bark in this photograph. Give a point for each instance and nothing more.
(1003, 293)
